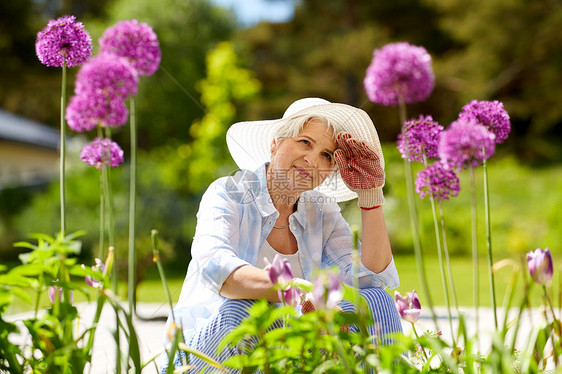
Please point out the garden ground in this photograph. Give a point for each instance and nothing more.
(151, 333)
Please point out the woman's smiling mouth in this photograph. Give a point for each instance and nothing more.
(303, 172)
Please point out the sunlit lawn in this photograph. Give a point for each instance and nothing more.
(151, 290)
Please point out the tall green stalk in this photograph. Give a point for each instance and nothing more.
(474, 247)
(131, 294)
(442, 267)
(414, 217)
(489, 243)
(102, 219)
(62, 151)
(447, 259)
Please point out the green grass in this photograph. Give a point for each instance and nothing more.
(462, 270)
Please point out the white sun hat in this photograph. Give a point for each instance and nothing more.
(249, 142)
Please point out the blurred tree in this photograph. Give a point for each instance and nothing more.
(167, 102)
(511, 51)
(325, 50)
(227, 85)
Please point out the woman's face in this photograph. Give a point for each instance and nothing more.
(305, 161)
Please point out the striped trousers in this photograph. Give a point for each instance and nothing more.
(232, 312)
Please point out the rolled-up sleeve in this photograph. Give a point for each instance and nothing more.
(216, 243)
(338, 251)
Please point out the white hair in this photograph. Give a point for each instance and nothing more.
(291, 127)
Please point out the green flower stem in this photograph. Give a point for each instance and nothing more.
(131, 294)
(555, 322)
(89, 346)
(62, 152)
(414, 218)
(447, 259)
(102, 219)
(474, 248)
(418, 338)
(489, 243)
(110, 214)
(442, 268)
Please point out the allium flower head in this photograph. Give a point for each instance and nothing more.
(437, 181)
(102, 152)
(422, 138)
(409, 306)
(466, 142)
(328, 291)
(86, 111)
(539, 263)
(399, 70)
(63, 41)
(491, 114)
(108, 74)
(136, 42)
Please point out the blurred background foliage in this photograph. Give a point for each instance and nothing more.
(216, 71)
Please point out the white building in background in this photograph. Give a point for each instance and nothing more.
(29, 152)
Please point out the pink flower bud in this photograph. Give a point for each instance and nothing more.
(539, 263)
(280, 272)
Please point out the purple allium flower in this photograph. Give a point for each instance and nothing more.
(437, 181)
(99, 266)
(539, 263)
(63, 41)
(328, 291)
(85, 111)
(136, 42)
(102, 152)
(422, 136)
(280, 272)
(409, 306)
(399, 70)
(56, 293)
(491, 114)
(466, 142)
(108, 74)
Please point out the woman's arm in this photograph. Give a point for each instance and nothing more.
(249, 282)
(376, 253)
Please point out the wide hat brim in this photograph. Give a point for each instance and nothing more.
(249, 142)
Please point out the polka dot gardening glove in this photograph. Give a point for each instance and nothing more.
(361, 169)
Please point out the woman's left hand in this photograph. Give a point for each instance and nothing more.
(361, 169)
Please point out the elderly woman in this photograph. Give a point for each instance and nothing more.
(284, 202)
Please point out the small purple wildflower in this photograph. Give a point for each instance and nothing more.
(292, 297)
(102, 152)
(136, 42)
(56, 293)
(328, 291)
(409, 306)
(99, 266)
(85, 111)
(63, 42)
(540, 266)
(280, 272)
(465, 143)
(490, 114)
(437, 181)
(109, 74)
(422, 136)
(399, 71)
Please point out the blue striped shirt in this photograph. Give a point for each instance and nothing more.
(235, 217)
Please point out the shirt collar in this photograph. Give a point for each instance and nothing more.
(265, 204)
